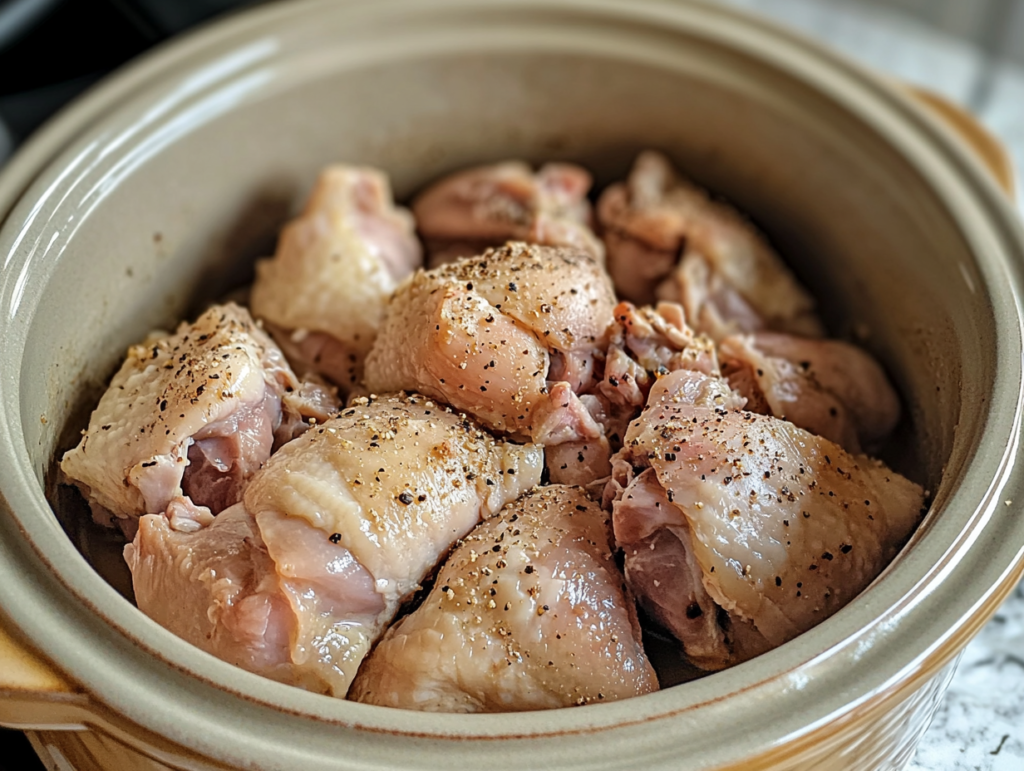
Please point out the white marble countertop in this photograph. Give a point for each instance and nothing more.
(971, 51)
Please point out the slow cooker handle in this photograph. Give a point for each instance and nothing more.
(34, 695)
(990, 151)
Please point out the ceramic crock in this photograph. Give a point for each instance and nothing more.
(156, 191)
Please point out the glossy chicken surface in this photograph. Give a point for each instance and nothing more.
(470, 211)
(831, 388)
(528, 613)
(323, 293)
(537, 454)
(784, 526)
(666, 236)
(194, 413)
(510, 337)
(334, 533)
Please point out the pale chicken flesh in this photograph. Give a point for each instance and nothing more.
(334, 533)
(323, 293)
(786, 527)
(664, 235)
(831, 388)
(194, 413)
(282, 533)
(468, 212)
(510, 337)
(529, 612)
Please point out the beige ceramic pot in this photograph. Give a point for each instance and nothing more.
(137, 202)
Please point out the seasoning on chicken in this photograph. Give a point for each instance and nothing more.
(749, 514)
(470, 211)
(323, 293)
(495, 335)
(194, 413)
(528, 613)
(335, 532)
(660, 229)
(832, 389)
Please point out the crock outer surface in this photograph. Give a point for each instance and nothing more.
(927, 599)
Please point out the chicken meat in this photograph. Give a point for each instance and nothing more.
(666, 237)
(194, 413)
(529, 612)
(470, 211)
(323, 293)
(510, 337)
(740, 530)
(333, 535)
(831, 388)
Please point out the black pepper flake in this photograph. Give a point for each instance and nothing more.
(778, 581)
(405, 498)
(335, 538)
(826, 555)
(846, 548)
(512, 286)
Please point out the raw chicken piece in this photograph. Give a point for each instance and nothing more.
(728, 279)
(334, 533)
(490, 334)
(194, 412)
(211, 581)
(832, 389)
(784, 526)
(473, 210)
(528, 613)
(323, 293)
(647, 343)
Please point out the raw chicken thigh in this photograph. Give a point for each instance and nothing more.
(832, 389)
(472, 210)
(323, 293)
(510, 337)
(194, 413)
(335, 532)
(660, 229)
(722, 435)
(718, 508)
(529, 612)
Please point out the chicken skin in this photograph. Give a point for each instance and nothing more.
(194, 413)
(510, 337)
(323, 293)
(334, 533)
(529, 612)
(470, 211)
(666, 236)
(831, 388)
(775, 526)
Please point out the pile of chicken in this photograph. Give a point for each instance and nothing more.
(503, 429)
